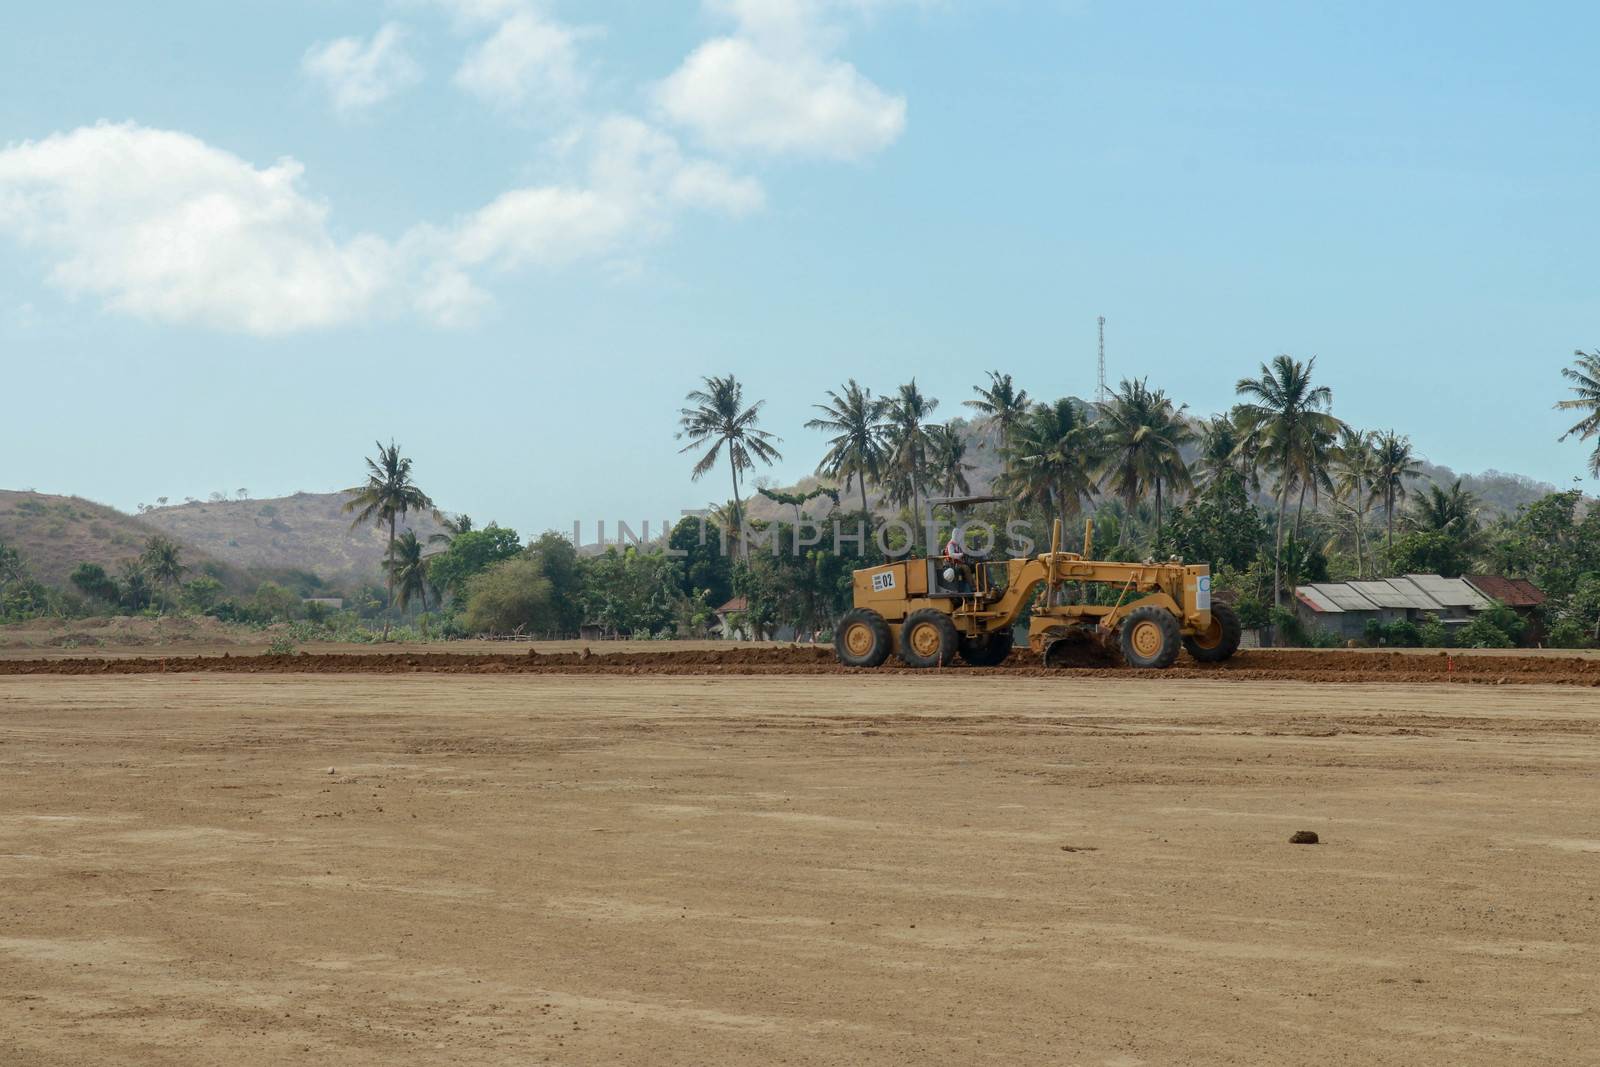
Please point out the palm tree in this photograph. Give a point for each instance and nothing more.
(454, 527)
(908, 416)
(1354, 469)
(1054, 452)
(1144, 434)
(407, 568)
(1003, 406)
(1394, 462)
(387, 497)
(857, 449)
(947, 460)
(718, 417)
(163, 560)
(1584, 374)
(1284, 416)
(1452, 511)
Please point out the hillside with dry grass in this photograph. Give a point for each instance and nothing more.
(306, 532)
(54, 534)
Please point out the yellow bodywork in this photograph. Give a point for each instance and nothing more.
(1000, 592)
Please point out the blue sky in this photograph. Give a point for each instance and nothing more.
(239, 242)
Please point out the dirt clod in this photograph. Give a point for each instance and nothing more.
(1303, 837)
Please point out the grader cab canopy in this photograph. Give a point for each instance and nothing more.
(929, 611)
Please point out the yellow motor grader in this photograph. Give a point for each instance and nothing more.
(929, 611)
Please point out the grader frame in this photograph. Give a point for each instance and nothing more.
(907, 608)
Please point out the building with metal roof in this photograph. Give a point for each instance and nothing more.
(1345, 608)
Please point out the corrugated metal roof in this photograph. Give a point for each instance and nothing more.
(1344, 596)
(1451, 592)
(1512, 592)
(1383, 594)
(1417, 597)
(1316, 600)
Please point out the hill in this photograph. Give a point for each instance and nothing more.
(303, 532)
(54, 534)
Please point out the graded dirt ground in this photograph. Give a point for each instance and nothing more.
(257, 869)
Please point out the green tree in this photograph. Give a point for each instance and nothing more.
(718, 418)
(1053, 455)
(1002, 406)
(561, 566)
(1584, 374)
(388, 496)
(202, 594)
(908, 416)
(947, 460)
(454, 527)
(1354, 470)
(407, 568)
(1284, 414)
(92, 581)
(857, 449)
(1144, 434)
(470, 553)
(133, 586)
(1394, 464)
(163, 561)
(1220, 526)
(511, 596)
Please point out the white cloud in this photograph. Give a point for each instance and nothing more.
(775, 87)
(527, 59)
(162, 226)
(635, 179)
(361, 75)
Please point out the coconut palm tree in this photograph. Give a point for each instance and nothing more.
(454, 527)
(857, 450)
(1143, 434)
(163, 561)
(947, 460)
(1394, 463)
(1284, 415)
(1584, 374)
(718, 417)
(1054, 454)
(908, 417)
(1002, 406)
(1452, 511)
(1354, 468)
(388, 496)
(407, 568)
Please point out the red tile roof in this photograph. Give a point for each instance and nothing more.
(738, 603)
(1512, 592)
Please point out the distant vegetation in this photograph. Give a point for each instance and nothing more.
(1276, 492)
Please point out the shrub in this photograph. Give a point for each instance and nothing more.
(1401, 633)
(511, 595)
(1435, 634)
(1496, 627)
(281, 645)
(1570, 633)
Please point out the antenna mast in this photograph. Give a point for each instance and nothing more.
(1101, 393)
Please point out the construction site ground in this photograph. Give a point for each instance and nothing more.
(675, 857)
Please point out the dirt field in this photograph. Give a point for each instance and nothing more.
(256, 869)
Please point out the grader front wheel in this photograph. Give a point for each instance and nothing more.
(928, 639)
(1150, 638)
(1220, 641)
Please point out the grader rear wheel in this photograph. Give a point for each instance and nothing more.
(862, 639)
(1150, 638)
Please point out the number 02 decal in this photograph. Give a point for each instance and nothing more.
(882, 582)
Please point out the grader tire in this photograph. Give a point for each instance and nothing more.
(1221, 641)
(928, 639)
(862, 639)
(1149, 638)
(988, 651)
